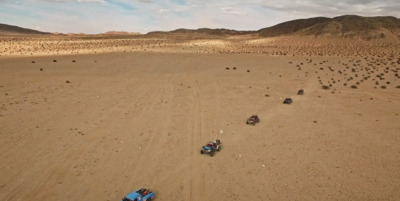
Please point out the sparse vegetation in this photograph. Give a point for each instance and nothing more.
(152, 99)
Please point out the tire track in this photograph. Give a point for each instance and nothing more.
(197, 187)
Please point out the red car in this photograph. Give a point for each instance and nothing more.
(253, 120)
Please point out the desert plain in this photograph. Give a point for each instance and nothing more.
(95, 118)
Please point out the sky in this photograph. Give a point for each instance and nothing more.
(99, 16)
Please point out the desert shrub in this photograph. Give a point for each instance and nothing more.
(383, 87)
(325, 87)
(353, 86)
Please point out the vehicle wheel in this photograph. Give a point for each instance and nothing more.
(201, 152)
(148, 199)
(212, 154)
(219, 149)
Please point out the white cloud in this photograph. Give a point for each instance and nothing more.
(230, 10)
(93, 1)
(162, 10)
(332, 8)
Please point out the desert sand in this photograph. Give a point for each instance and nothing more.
(97, 118)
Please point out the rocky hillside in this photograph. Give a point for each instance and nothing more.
(347, 25)
(14, 30)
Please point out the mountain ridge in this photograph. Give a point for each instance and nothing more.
(340, 26)
(345, 25)
(6, 29)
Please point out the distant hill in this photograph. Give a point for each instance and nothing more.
(341, 26)
(291, 27)
(14, 30)
(121, 33)
(346, 25)
(220, 32)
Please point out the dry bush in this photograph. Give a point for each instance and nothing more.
(325, 87)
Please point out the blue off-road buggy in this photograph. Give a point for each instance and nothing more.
(211, 147)
(141, 194)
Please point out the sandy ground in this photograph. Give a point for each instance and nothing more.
(98, 126)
